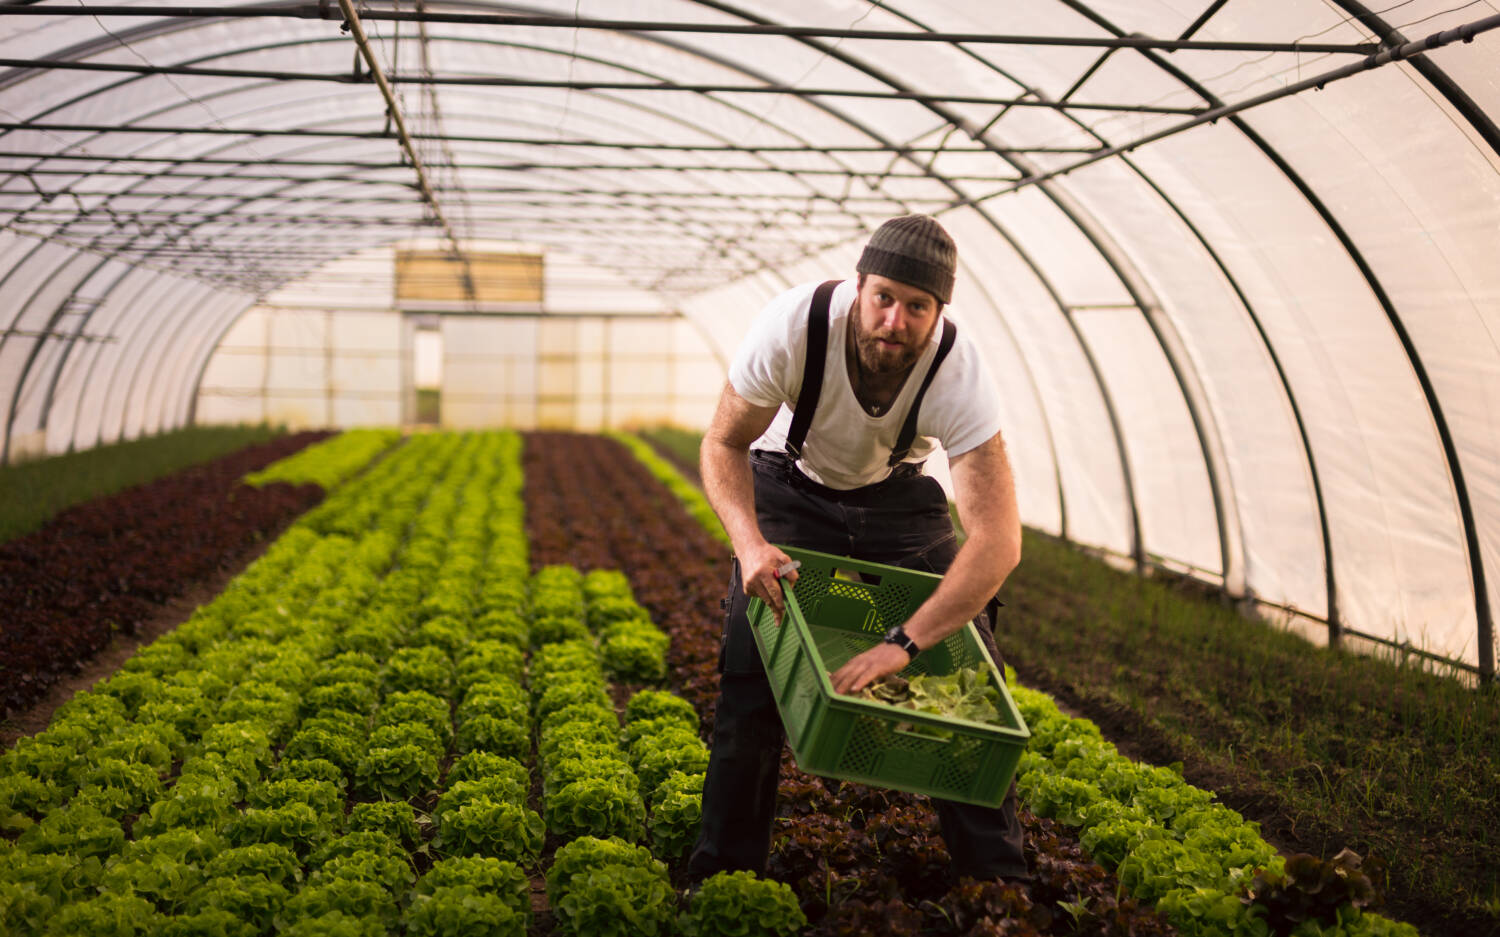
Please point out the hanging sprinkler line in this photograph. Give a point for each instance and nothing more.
(393, 112)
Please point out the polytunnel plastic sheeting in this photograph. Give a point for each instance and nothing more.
(1175, 504)
(1030, 447)
(1095, 497)
(1269, 475)
(1427, 231)
(1275, 322)
(1363, 408)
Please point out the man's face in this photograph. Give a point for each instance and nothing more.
(892, 323)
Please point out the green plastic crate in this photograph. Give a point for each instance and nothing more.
(840, 607)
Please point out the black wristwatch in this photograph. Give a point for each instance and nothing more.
(897, 636)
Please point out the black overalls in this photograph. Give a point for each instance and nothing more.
(901, 521)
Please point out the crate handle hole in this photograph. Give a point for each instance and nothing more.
(849, 575)
(900, 729)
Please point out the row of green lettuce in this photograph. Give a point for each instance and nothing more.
(238, 774)
(1204, 866)
(353, 708)
(330, 463)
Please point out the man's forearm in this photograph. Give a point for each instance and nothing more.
(978, 571)
(730, 488)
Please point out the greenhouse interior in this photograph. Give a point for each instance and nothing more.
(447, 294)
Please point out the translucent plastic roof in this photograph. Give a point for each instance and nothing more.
(1235, 261)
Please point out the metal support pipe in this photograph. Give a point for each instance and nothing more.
(1481, 121)
(1464, 33)
(1203, 18)
(533, 196)
(393, 110)
(519, 166)
(321, 11)
(898, 149)
(501, 81)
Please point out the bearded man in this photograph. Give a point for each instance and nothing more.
(836, 397)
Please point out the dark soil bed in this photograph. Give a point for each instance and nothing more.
(862, 861)
(103, 569)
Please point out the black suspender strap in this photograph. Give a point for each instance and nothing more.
(909, 428)
(812, 369)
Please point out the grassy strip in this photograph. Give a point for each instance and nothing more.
(32, 492)
(688, 493)
(1343, 749)
(329, 463)
(682, 443)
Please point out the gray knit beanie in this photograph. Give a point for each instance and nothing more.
(915, 250)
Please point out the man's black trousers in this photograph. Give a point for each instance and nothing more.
(902, 521)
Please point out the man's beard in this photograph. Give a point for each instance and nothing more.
(875, 358)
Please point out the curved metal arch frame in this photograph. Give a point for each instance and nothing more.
(160, 28)
(1039, 400)
(124, 292)
(57, 370)
(928, 171)
(67, 351)
(149, 288)
(1161, 326)
(1486, 128)
(185, 405)
(35, 352)
(1482, 610)
(183, 312)
(1226, 508)
(1481, 596)
(20, 382)
(206, 353)
(190, 24)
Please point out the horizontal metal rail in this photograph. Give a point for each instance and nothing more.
(644, 145)
(501, 81)
(1464, 33)
(531, 195)
(517, 166)
(324, 11)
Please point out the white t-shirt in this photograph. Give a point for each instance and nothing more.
(846, 447)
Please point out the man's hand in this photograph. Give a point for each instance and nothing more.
(864, 669)
(724, 461)
(760, 577)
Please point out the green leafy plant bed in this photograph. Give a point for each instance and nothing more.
(406, 718)
(838, 875)
(329, 463)
(1325, 750)
(111, 564)
(276, 764)
(863, 862)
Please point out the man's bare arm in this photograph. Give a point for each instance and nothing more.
(724, 461)
(986, 497)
